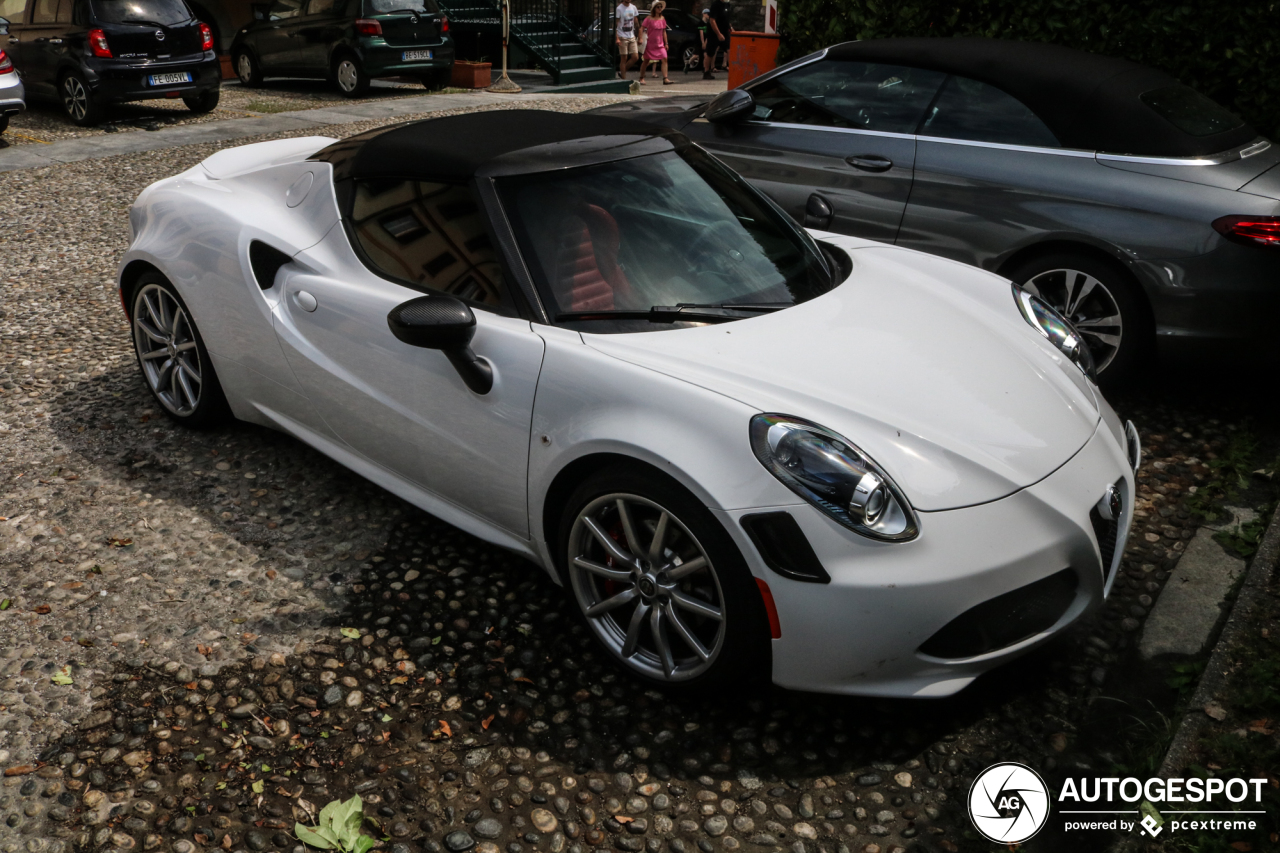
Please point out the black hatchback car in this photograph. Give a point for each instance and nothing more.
(91, 53)
(347, 41)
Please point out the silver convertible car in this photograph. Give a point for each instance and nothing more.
(1131, 203)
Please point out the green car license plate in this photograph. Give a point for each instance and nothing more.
(169, 79)
(414, 55)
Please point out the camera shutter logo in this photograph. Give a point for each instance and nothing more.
(1008, 803)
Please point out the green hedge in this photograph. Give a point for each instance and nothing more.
(1228, 50)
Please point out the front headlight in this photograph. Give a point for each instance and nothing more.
(1058, 329)
(834, 475)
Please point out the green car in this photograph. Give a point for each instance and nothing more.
(347, 41)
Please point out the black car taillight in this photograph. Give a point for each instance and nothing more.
(1250, 230)
(98, 44)
(206, 37)
(6, 64)
(444, 24)
(368, 27)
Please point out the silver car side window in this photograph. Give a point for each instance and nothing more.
(970, 109)
(860, 95)
(428, 235)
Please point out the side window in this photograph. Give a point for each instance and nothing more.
(859, 95)
(967, 109)
(64, 11)
(11, 10)
(319, 7)
(284, 9)
(45, 12)
(433, 236)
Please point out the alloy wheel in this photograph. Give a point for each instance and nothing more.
(1090, 306)
(244, 67)
(167, 350)
(75, 98)
(647, 587)
(348, 75)
(690, 58)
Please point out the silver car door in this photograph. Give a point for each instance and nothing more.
(843, 131)
(404, 408)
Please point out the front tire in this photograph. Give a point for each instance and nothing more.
(203, 102)
(660, 584)
(248, 70)
(4, 123)
(350, 76)
(1103, 302)
(172, 355)
(79, 104)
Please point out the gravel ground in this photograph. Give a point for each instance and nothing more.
(45, 122)
(193, 587)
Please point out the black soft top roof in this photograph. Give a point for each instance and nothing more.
(454, 148)
(1088, 101)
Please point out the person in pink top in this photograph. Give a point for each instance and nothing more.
(655, 45)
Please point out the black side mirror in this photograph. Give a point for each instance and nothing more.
(732, 105)
(446, 324)
(817, 213)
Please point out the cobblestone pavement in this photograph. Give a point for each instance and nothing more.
(193, 588)
(44, 121)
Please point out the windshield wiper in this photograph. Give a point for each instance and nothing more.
(684, 312)
(140, 21)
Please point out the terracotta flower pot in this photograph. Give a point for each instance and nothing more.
(472, 75)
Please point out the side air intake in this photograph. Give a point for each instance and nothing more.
(266, 262)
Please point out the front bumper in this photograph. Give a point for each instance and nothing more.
(384, 60)
(862, 632)
(118, 80)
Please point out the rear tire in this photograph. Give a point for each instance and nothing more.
(350, 76)
(4, 123)
(692, 650)
(248, 70)
(1103, 301)
(172, 356)
(203, 102)
(79, 104)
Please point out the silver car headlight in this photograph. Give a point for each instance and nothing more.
(831, 473)
(1056, 328)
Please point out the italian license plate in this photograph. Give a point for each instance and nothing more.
(412, 55)
(169, 79)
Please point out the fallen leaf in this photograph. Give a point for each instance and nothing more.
(352, 633)
(487, 721)
(72, 585)
(259, 786)
(1262, 727)
(119, 543)
(1217, 712)
(62, 676)
(621, 818)
(6, 604)
(191, 685)
(1242, 846)
(400, 679)
(201, 838)
(203, 649)
(522, 678)
(444, 727)
(42, 609)
(20, 770)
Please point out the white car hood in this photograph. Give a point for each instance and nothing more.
(924, 363)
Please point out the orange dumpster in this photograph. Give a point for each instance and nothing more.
(750, 55)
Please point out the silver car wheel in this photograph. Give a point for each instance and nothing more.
(348, 75)
(167, 351)
(244, 67)
(647, 587)
(75, 98)
(1088, 304)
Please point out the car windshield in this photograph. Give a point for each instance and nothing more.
(156, 12)
(386, 7)
(608, 243)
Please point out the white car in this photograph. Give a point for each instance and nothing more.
(12, 94)
(746, 450)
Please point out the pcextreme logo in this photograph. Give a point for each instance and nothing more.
(1009, 803)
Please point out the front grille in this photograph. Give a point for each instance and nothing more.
(1106, 532)
(1005, 619)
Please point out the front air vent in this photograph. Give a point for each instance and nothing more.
(266, 262)
(783, 546)
(1006, 619)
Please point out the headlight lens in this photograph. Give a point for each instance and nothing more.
(834, 475)
(1058, 329)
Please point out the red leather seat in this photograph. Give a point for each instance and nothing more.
(588, 276)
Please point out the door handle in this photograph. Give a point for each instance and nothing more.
(305, 300)
(870, 162)
(13, 39)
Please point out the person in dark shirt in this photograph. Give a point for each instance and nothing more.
(717, 38)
